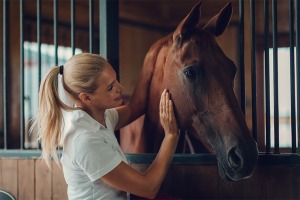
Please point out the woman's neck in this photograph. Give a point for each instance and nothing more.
(97, 115)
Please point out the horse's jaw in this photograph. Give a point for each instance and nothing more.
(236, 156)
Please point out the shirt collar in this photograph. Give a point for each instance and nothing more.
(86, 121)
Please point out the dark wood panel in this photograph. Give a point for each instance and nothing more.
(282, 182)
(204, 182)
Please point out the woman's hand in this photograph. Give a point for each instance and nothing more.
(167, 116)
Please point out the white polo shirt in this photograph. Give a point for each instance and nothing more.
(90, 151)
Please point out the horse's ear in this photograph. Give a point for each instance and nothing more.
(189, 22)
(219, 22)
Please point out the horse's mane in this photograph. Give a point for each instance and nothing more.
(151, 56)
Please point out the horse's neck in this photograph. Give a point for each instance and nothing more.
(153, 59)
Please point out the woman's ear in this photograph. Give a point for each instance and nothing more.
(84, 97)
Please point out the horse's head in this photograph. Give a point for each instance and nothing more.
(200, 79)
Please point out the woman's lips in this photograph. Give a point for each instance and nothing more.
(118, 98)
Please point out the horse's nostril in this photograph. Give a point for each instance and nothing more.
(234, 159)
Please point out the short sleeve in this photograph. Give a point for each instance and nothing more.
(96, 156)
(112, 118)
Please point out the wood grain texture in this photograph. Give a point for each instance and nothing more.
(26, 179)
(9, 173)
(43, 181)
(59, 184)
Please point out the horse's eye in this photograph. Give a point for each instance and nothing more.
(190, 73)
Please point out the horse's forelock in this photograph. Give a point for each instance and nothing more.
(194, 48)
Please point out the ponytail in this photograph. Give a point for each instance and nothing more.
(79, 74)
(49, 119)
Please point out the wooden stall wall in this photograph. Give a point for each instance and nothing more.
(204, 182)
(30, 179)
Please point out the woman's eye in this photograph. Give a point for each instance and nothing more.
(190, 73)
(110, 88)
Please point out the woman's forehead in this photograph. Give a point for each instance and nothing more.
(108, 75)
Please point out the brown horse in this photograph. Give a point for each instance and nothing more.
(192, 66)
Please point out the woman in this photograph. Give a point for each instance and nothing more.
(93, 164)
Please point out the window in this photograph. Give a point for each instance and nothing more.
(284, 97)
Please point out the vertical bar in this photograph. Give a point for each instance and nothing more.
(241, 55)
(5, 73)
(55, 32)
(267, 76)
(292, 75)
(38, 39)
(91, 23)
(275, 77)
(73, 26)
(102, 27)
(38, 34)
(253, 69)
(109, 32)
(22, 116)
(298, 68)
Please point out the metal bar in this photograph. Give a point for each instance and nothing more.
(103, 28)
(275, 76)
(109, 32)
(55, 31)
(38, 34)
(241, 55)
(109, 35)
(253, 69)
(178, 159)
(292, 75)
(5, 72)
(22, 115)
(267, 76)
(298, 68)
(73, 25)
(39, 53)
(91, 23)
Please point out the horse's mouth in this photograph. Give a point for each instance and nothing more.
(229, 174)
(223, 172)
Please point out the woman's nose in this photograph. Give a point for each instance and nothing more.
(119, 87)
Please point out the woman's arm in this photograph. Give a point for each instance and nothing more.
(137, 104)
(125, 178)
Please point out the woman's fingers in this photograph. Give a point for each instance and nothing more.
(161, 107)
(170, 108)
(167, 99)
(160, 104)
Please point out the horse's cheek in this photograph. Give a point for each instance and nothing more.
(202, 131)
(178, 95)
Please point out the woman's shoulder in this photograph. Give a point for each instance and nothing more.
(111, 118)
(111, 113)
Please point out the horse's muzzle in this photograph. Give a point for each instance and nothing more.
(240, 164)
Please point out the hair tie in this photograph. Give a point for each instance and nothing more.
(61, 70)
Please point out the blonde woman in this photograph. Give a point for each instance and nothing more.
(93, 164)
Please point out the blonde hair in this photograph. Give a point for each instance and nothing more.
(80, 74)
